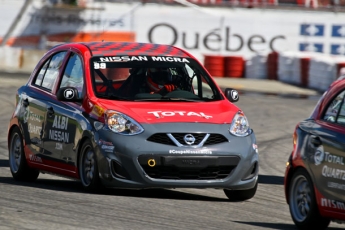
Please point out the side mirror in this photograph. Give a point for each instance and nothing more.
(231, 94)
(68, 94)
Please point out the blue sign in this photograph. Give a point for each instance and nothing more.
(312, 47)
(338, 49)
(316, 30)
(338, 31)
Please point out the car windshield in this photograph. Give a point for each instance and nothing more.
(151, 78)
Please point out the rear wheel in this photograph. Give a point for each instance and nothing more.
(88, 168)
(302, 203)
(241, 195)
(18, 165)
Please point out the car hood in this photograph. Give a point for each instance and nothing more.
(218, 112)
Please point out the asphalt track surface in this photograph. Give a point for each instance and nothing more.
(58, 203)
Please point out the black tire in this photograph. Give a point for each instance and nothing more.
(241, 195)
(18, 165)
(88, 168)
(302, 203)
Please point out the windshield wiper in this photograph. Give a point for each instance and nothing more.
(180, 99)
(114, 97)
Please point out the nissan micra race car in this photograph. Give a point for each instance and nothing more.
(315, 173)
(131, 115)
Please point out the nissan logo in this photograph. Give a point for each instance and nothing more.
(68, 93)
(189, 139)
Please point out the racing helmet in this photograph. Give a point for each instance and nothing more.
(157, 78)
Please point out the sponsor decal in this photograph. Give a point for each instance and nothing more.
(187, 151)
(97, 110)
(60, 122)
(34, 129)
(332, 204)
(58, 146)
(333, 173)
(234, 94)
(107, 148)
(159, 114)
(68, 93)
(136, 58)
(35, 158)
(106, 145)
(30, 116)
(336, 185)
(321, 156)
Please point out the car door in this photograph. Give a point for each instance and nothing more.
(65, 124)
(327, 141)
(45, 81)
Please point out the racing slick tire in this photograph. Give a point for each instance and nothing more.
(18, 164)
(302, 203)
(241, 195)
(88, 168)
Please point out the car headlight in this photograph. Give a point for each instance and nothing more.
(121, 123)
(239, 125)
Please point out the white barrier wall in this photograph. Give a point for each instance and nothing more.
(200, 30)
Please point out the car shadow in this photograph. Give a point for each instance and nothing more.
(269, 225)
(66, 185)
(269, 179)
(4, 163)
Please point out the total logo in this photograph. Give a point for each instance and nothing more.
(160, 114)
(318, 31)
(322, 156)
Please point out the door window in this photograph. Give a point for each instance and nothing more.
(336, 110)
(73, 75)
(50, 71)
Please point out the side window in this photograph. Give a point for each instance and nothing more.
(333, 109)
(50, 71)
(73, 75)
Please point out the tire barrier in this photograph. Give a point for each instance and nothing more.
(272, 66)
(234, 66)
(214, 65)
(304, 64)
(256, 67)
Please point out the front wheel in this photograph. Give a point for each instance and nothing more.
(88, 168)
(241, 195)
(18, 165)
(302, 203)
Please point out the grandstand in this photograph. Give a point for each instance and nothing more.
(328, 5)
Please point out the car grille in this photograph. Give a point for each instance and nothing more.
(163, 138)
(209, 168)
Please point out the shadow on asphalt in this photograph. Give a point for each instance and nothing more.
(4, 163)
(76, 187)
(274, 226)
(268, 179)
(269, 225)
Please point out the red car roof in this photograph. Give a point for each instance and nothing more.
(134, 49)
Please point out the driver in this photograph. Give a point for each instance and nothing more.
(159, 80)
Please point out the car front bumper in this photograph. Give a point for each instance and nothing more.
(139, 161)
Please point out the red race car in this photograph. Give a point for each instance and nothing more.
(131, 115)
(315, 174)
